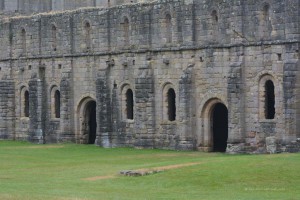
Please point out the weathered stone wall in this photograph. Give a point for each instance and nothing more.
(208, 52)
(27, 7)
(7, 109)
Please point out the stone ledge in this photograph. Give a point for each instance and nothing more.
(153, 50)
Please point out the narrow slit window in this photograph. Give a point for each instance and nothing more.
(214, 15)
(26, 104)
(126, 30)
(57, 104)
(129, 104)
(266, 10)
(266, 23)
(171, 105)
(54, 37)
(269, 100)
(168, 28)
(88, 35)
(23, 41)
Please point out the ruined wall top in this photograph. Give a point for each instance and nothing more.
(161, 25)
(25, 7)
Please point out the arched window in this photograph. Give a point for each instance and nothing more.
(269, 100)
(214, 15)
(265, 25)
(54, 37)
(57, 103)
(213, 26)
(168, 26)
(168, 103)
(171, 96)
(266, 10)
(87, 30)
(23, 41)
(129, 104)
(26, 104)
(126, 31)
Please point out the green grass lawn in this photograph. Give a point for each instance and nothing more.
(69, 171)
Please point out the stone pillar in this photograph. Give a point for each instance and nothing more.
(234, 102)
(119, 134)
(36, 94)
(186, 139)
(297, 103)
(236, 118)
(104, 123)
(144, 108)
(7, 109)
(67, 131)
(236, 83)
(291, 94)
(188, 23)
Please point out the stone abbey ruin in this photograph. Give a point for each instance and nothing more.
(207, 75)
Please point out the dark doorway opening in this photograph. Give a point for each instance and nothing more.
(92, 122)
(220, 128)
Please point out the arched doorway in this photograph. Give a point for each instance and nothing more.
(219, 121)
(87, 121)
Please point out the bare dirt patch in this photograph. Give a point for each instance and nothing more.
(146, 171)
(168, 167)
(95, 178)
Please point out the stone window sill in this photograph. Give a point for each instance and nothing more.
(24, 118)
(167, 122)
(129, 121)
(268, 120)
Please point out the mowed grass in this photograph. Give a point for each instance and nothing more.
(70, 171)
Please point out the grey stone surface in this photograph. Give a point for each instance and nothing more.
(27, 7)
(271, 143)
(208, 52)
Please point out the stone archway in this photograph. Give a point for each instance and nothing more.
(87, 121)
(219, 122)
(213, 126)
